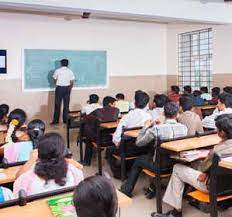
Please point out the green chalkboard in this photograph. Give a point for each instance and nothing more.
(89, 68)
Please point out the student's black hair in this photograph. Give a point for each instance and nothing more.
(5, 108)
(204, 89)
(141, 99)
(196, 93)
(1, 117)
(120, 96)
(188, 89)
(93, 98)
(36, 130)
(95, 197)
(226, 99)
(216, 91)
(175, 89)
(51, 164)
(227, 89)
(224, 123)
(160, 100)
(19, 115)
(64, 62)
(171, 109)
(108, 100)
(186, 103)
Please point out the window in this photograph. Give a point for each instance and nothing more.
(195, 59)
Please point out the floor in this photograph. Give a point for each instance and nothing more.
(141, 206)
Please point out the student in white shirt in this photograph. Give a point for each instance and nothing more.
(205, 94)
(64, 79)
(157, 112)
(92, 104)
(121, 103)
(134, 118)
(224, 106)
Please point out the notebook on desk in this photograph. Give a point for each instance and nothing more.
(62, 206)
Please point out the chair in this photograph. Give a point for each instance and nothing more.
(122, 151)
(73, 122)
(220, 187)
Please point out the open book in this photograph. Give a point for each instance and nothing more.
(62, 206)
(190, 156)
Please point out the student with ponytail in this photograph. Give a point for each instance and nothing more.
(20, 151)
(48, 168)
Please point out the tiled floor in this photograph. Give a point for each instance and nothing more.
(141, 207)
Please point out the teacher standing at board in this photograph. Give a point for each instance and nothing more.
(64, 79)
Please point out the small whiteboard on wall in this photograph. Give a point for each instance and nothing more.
(3, 62)
(89, 67)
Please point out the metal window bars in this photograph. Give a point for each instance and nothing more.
(195, 59)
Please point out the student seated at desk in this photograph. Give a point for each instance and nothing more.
(95, 197)
(174, 94)
(215, 94)
(121, 103)
(197, 100)
(197, 178)
(188, 117)
(47, 169)
(20, 151)
(205, 94)
(134, 118)
(157, 112)
(4, 110)
(92, 104)
(224, 106)
(227, 89)
(5, 194)
(106, 114)
(169, 130)
(16, 126)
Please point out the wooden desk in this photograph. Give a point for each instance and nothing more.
(10, 174)
(225, 164)
(204, 107)
(39, 208)
(192, 143)
(132, 133)
(109, 125)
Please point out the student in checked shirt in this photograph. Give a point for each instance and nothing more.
(224, 106)
(150, 133)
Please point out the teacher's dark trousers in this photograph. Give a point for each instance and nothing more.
(62, 93)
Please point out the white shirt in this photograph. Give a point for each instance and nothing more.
(209, 121)
(206, 96)
(156, 113)
(134, 118)
(122, 105)
(90, 108)
(63, 76)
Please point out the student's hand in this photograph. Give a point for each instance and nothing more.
(202, 177)
(34, 155)
(148, 123)
(157, 122)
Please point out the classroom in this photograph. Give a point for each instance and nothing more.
(116, 108)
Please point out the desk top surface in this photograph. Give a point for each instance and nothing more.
(132, 133)
(192, 143)
(9, 174)
(225, 164)
(110, 125)
(39, 208)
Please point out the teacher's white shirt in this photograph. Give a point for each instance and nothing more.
(63, 76)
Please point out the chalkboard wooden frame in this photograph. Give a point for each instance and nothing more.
(53, 89)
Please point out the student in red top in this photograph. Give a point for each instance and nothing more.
(174, 95)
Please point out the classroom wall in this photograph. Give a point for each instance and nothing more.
(222, 46)
(136, 56)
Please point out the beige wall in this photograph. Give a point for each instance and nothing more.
(40, 104)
